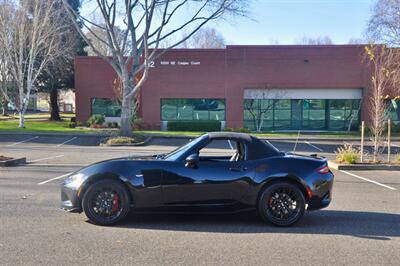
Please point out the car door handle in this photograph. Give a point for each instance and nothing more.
(238, 169)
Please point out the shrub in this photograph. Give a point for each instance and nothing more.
(115, 125)
(124, 140)
(96, 120)
(137, 124)
(71, 125)
(347, 154)
(194, 126)
(73, 119)
(240, 130)
(109, 124)
(80, 124)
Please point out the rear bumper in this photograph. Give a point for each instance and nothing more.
(322, 192)
(69, 200)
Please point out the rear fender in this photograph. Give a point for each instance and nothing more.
(283, 178)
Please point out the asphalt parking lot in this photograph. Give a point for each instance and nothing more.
(361, 226)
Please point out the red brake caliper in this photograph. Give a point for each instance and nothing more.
(115, 206)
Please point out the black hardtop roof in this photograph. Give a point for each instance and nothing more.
(230, 135)
(257, 148)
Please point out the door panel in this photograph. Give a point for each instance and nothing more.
(212, 182)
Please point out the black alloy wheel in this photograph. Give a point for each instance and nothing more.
(106, 202)
(282, 204)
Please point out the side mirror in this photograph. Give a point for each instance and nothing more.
(192, 160)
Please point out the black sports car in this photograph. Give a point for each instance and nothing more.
(255, 176)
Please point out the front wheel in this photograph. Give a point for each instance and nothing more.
(106, 202)
(281, 204)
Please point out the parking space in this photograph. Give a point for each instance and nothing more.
(27, 140)
(361, 226)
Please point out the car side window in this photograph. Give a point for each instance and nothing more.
(223, 149)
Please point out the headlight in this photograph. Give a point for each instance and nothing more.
(75, 180)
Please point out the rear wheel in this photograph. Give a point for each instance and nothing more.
(106, 202)
(281, 204)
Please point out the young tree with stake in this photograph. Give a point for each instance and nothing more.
(385, 76)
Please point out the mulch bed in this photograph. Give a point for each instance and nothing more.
(3, 158)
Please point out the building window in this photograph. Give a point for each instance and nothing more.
(314, 114)
(344, 114)
(393, 110)
(192, 109)
(106, 107)
(301, 114)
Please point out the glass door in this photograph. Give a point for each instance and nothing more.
(297, 114)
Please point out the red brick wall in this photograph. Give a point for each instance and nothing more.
(225, 73)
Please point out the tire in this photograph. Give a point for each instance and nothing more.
(281, 204)
(106, 202)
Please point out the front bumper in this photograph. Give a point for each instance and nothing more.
(321, 191)
(69, 199)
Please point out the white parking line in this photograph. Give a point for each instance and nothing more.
(368, 180)
(65, 142)
(315, 147)
(16, 143)
(47, 158)
(52, 179)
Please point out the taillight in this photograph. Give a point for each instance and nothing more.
(323, 170)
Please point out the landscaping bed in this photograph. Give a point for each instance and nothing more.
(136, 140)
(8, 161)
(364, 166)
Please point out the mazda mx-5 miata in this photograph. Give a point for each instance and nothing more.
(280, 186)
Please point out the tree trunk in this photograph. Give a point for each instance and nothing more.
(54, 109)
(4, 110)
(22, 119)
(375, 152)
(126, 117)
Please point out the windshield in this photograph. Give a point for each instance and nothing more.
(175, 154)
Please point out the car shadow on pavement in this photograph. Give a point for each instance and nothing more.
(371, 225)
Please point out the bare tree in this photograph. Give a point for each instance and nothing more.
(146, 23)
(384, 24)
(31, 36)
(205, 38)
(385, 68)
(257, 112)
(357, 41)
(100, 46)
(319, 40)
(6, 83)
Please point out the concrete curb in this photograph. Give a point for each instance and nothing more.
(166, 136)
(363, 167)
(55, 134)
(266, 138)
(55, 165)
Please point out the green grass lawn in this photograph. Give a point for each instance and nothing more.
(272, 134)
(35, 116)
(62, 127)
(37, 123)
(40, 126)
